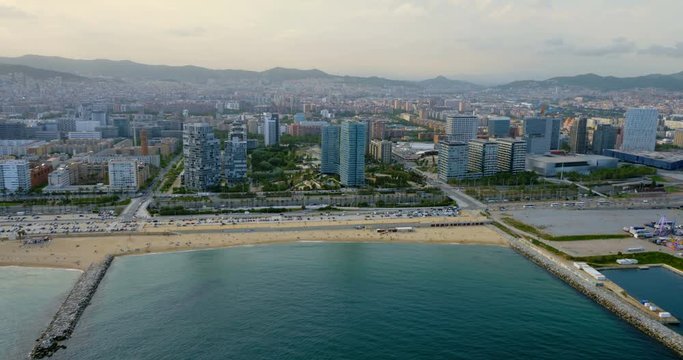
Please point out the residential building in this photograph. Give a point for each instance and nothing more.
(235, 154)
(640, 130)
(123, 175)
(15, 176)
(271, 129)
(59, 178)
(329, 149)
(578, 136)
(452, 161)
(380, 150)
(352, 153)
(482, 157)
(462, 127)
(511, 155)
(499, 127)
(604, 137)
(202, 157)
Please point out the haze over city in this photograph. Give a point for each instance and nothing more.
(379, 179)
(486, 41)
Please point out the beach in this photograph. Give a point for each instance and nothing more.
(79, 251)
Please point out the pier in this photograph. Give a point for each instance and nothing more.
(627, 311)
(62, 325)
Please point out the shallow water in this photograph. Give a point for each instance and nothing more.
(29, 297)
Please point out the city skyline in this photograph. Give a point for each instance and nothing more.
(457, 39)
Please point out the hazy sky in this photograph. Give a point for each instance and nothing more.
(409, 39)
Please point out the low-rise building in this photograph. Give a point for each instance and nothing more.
(553, 165)
(660, 160)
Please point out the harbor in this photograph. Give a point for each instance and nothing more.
(604, 295)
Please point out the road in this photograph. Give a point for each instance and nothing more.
(464, 201)
(138, 205)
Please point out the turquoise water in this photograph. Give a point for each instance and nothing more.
(658, 284)
(29, 297)
(347, 301)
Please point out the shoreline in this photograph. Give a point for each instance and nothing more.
(78, 252)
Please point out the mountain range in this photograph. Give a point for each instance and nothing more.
(78, 70)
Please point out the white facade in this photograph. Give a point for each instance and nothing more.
(123, 174)
(462, 127)
(640, 130)
(15, 176)
(59, 178)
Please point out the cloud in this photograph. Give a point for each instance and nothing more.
(659, 50)
(188, 32)
(617, 46)
(11, 12)
(409, 9)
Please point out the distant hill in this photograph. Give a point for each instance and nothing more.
(444, 83)
(39, 74)
(672, 82)
(125, 69)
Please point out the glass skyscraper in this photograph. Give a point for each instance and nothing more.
(352, 154)
(640, 130)
(329, 149)
(202, 157)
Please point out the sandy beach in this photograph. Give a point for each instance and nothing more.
(80, 251)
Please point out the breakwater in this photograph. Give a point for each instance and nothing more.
(66, 318)
(601, 295)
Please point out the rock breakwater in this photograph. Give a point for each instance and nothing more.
(66, 318)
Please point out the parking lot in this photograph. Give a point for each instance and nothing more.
(561, 221)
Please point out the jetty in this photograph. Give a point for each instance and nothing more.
(604, 296)
(63, 323)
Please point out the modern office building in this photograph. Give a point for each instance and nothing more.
(15, 176)
(235, 154)
(499, 127)
(578, 136)
(604, 137)
(329, 149)
(640, 130)
(271, 129)
(123, 175)
(452, 161)
(482, 157)
(352, 153)
(202, 157)
(541, 135)
(511, 155)
(461, 127)
(380, 150)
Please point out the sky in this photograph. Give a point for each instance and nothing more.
(482, 40)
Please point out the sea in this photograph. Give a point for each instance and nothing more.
(29, 298)
(657, 284)
(347, 301)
